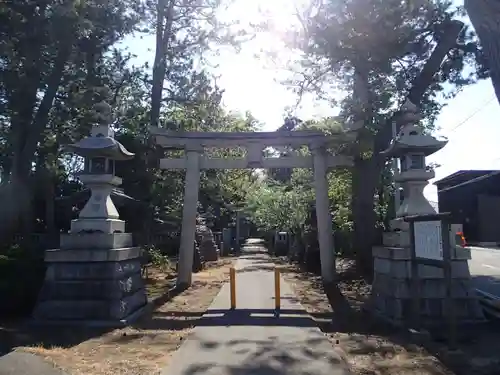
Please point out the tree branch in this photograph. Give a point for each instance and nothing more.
(451, 29)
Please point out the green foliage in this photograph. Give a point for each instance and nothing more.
(339, 192)
(373, 50)
(20, 292)
(60, 58)
(51, 78)
(159, 260)
(274, 207)
(285, 205)
(185, 33)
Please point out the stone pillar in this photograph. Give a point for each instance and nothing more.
(226, 240)
(324, 220)
(191, 188)
(238, 231)
(218, 240)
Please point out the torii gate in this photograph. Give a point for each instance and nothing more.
(194, 160)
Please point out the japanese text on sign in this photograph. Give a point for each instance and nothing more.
(428, 240)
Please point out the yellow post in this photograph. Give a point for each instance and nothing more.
(277, 295)
(232, 286)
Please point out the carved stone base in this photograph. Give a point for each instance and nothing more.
(89, 241)
(209, 250)
(89, 286)
(205, 239)
(97, 225)
(391, 290)
(227, 240)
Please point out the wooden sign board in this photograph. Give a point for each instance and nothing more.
(428, 240)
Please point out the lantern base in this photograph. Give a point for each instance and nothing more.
(391, 296)
(97, 226)
(91, 287)
(98, 241)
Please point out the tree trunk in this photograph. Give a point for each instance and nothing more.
(18, 193)
(164, 20)
(364, 174)
(46, 188)
(485, 17)
(365, 177)
(50, 209)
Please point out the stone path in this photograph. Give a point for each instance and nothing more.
(251, 340)
(19, 363)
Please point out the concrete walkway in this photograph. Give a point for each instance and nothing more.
(19, 363)
(251, 340)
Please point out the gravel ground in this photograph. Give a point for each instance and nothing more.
(140, 349)
(376, 348)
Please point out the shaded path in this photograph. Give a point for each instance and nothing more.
(251, 340)
(19, 363)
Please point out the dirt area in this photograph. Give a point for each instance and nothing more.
(158, 280)
(374, 347)
(143, 348)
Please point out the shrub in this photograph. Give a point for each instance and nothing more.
(20, 281)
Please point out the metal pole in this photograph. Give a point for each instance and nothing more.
(277, 290)
(232, 286)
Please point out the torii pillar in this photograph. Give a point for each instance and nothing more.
(324, 219)
(189, 210)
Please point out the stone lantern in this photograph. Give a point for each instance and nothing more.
(391, 292)
(411, 147)
(100, 151)
(95, 276)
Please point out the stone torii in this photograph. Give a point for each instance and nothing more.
(194, 160)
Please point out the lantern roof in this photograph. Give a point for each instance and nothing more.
(101, 142)
(411, 138)
(100, 146)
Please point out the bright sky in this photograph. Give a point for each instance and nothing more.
(469, 120)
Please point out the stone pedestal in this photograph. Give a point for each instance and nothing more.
(218, 240)
(391, 289)
(227, 239)
(208, 248)
(94, 279)
(281, 241)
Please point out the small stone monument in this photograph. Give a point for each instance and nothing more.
(391, 296)
(281, 240)
(206, 242)
(95, 276)
(227, 239)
